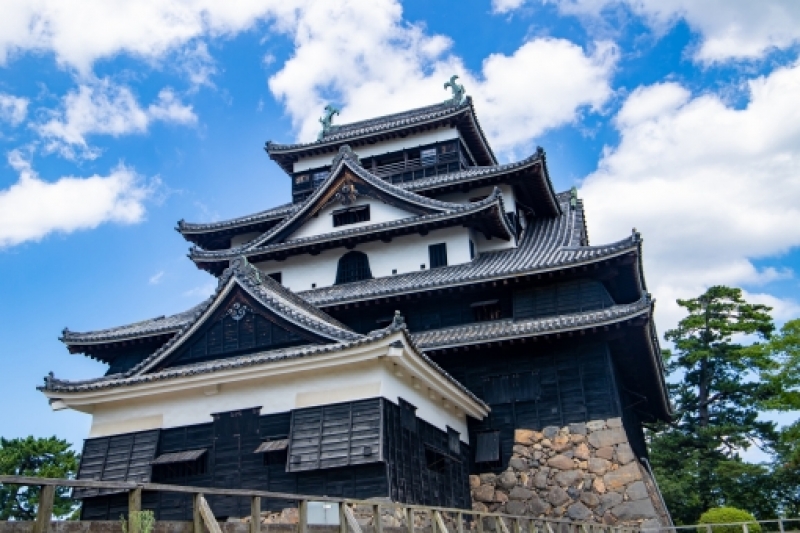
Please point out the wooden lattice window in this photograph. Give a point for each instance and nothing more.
(353, 266)
(486, 310)
(437, 254)
(352, 215)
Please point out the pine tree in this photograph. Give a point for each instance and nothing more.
(50, 457)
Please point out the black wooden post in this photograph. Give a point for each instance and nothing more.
(45, 510)
(255, 514)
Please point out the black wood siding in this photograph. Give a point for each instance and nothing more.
(232, 437)
(561, 298)
(528, 389)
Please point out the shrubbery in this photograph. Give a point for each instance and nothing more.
(728, 515)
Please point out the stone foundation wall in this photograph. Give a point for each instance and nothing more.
(584, 472)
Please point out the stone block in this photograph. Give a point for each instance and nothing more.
(577, 429)
(474, 482)
(517, 463)
(562, 443)
(540, 480)
(607, 501)
(500, 496)
(614, 423)
(595, 425)
(484, 493)
(546, 443)
(550, 432)
(634, 510)
(607, 437)
(537, 506)
(507, 480)
(569, 477)
(516, 507)
(526, 437)
(562, 462)
(479, 507)
(598, 485)
(488, 479)
(520, 493)
(590, 499)
(581, 451)
(557, 496)
(622, 476)
(636, 491)
(579, 512)
(577, 438)
(625, 454)
(605, 453)
(599, 466)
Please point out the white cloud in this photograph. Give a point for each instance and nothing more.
(156, 278)
(711, 187)
(730, 29)
(13, 109)
(32, 208)
(103, 107)
(366, 58)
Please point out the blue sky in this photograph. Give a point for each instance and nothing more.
(117, 119)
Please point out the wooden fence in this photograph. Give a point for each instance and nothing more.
(442, 520)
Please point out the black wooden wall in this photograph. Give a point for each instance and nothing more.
(231, 439)
(531, 388)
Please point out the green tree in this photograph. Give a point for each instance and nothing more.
(50, 457)
(717, 395)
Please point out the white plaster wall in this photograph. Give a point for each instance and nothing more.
(509, 198)
(276, 394)
(405, 254)
(441, 134)
(482, 244)
(243, 238)
(323, 222)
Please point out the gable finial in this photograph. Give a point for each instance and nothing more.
(398, 321)
(327, 120)
(458, 90)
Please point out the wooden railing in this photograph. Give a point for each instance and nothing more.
(442, 520)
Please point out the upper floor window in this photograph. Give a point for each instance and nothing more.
(353, 266)
(427, 156)
(319, 175)
(486, 310)
(437, 254)
(351, 215)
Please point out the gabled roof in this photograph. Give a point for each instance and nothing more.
(390, 126)
(347, 180)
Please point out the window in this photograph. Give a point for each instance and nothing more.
(302, 178)
(448, 148)
(435, 461)
(438, 255)
(277, 276)
(487, 310)
(353, 266)
(487, 448)
(274, 451)
(427, 156)
(352, 215)
(319, 176)
(179, 465)
(453, 441)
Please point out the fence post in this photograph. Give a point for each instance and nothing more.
(342, 518)
(197, 518)
(377, 523)
(780, 525)
(480, 522)
(134, 506)
(45, 510)
(744, 528)
(410, 519)
(302, 516)
(255, 514)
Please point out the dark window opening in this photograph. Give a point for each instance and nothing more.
(408, 416)
(353, 266)
(454, 441)
(448, 148)
(487, 310)
(276, 458)
(438, 255)
(351, 215)
(435, 461)
(487, 447)
(181, 469)
(277, 276)
(319, 176)
(302, 178)
(471, 249)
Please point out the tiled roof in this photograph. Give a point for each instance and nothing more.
(53, 384)
(276, 213)
(491, 206)
(547, 244)
(508, 329)
(145, 328)
(469, 174)
(272, 295)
